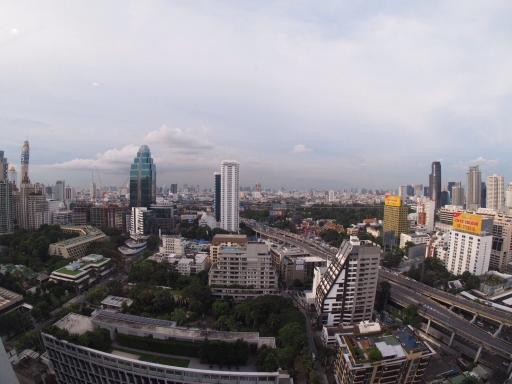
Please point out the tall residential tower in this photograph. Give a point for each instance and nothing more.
(230, 195)
(496, 193)
(25, 158)
(474, 188)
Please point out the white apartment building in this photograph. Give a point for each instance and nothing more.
(230, 195)
(508, 200)
(345, 294)
(172, 244)
(496, 193)
(426, 210)
(137, 221)
(331, 197)
(241, 272)
(470, 244)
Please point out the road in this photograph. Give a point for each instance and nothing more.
(414, 292)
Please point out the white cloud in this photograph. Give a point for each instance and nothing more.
(179, 140)
(300, 148)
(111, 160)
(480, 160)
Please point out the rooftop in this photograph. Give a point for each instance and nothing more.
(77, 267)
(75, 324)
(116, 301)
(8, 298)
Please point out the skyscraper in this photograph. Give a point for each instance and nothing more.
(25, 157)
(12, 176)
(458, 194)
(496, 193)
(483, 195)
(395, 221)
(143, 179)
(474, 190)
(6, 199)
(435, 183)
(508, 199)
(451, 184)
(230, 195)
(59, 191)
(217, 196)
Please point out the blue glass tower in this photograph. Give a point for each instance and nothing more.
(143, 179)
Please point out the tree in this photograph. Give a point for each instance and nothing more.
(470, 380)
(470, 281)
(267, 360)
(410, 316)
(179, 316)
(220, 308)
(374, 354)
(393, 258)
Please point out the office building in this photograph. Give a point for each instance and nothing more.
(217, 196)
(435, 183)
(241, 272)
(69, 194)
(31, 207)
(418, 190)
(59, 191)
(368, 355)
(174, 189)
(474, 189)
(395, 220)
(25, 159)
(7, 205)
(83, 272)
(470, 244)
(143, 179)
(76, 247)
(457, 195)
(230, 195)
(345, 294)
(483, 196)
(74, 363)
(108, 216)
(451, 184)
(495, 193)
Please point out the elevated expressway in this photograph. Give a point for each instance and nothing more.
(405, 291)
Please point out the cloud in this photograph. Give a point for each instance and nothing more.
(480, 160)
(300, 148)
(179, 140)
(111, 160)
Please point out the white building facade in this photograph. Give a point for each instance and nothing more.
(496, 193)
(230, 195)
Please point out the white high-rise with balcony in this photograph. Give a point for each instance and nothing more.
(496, 193)
(230, 195)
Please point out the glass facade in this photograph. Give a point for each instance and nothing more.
(143, 179)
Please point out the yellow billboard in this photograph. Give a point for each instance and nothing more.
(393, 201)
(467, 222)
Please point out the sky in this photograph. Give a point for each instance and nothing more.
(304, 94)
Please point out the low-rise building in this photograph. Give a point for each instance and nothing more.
(415, 238)
(116, 303)
(9, 300)
(172, 244)
(77, 246)
(398, 357)
(84, 271)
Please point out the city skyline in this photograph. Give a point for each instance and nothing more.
(288, 94)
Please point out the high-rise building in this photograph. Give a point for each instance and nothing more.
(12, 176)
(7, 374)
(59, 191)
(6, 198)
(418, 190)
(451, 184)
(426, 209)
(435, 183)
(217, 196)
(143, 179)
(331, 196)
(457, 194)
(508, 199)
(230, 195)
(69, 193)
(139, 221)
(395, 221)
(402, 192)
(495, 193)
(174, 189)
(346, 291)
(483, 195)
(25, 159)
(31, 207)
(470, 244)
(241, 272)
(474, 188)
(501, 252)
